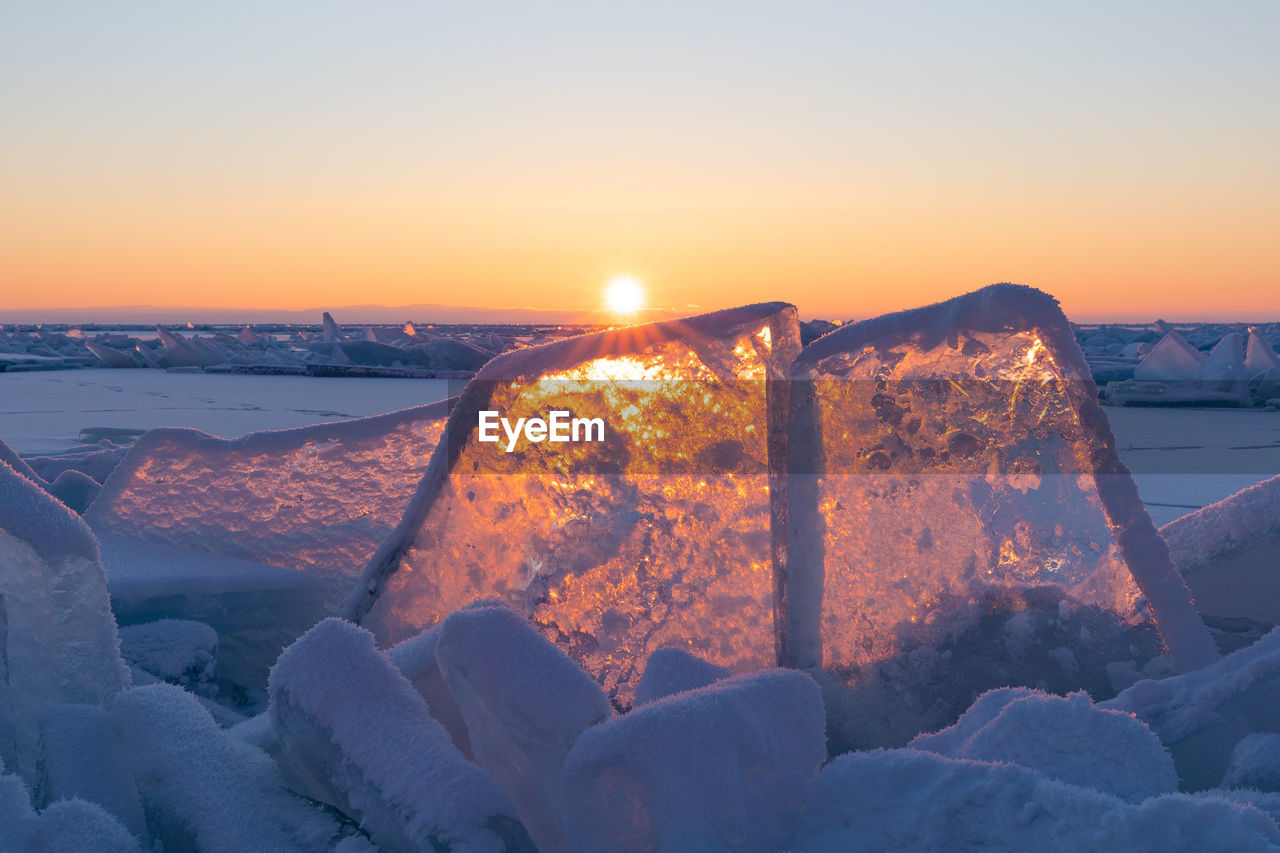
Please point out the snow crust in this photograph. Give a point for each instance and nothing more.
(720, 768)
(1255, 764)
(179, 651)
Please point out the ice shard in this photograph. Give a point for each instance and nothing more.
(317, 499)
(959, 520)
(657, 535)
(60, 642)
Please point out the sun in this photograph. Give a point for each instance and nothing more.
(624, 295)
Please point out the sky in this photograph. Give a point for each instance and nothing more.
(852, 158)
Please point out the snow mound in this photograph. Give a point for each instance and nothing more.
(1255, 763)
(1201, 716)
(1229, 553)
(659, 534)
(720, 768)
(75, 489)
(179, 651)
(1068, 739)
(81, 756)
(199, 790)
(670, 671)
(58, 639)
(317, 499)
(525, 703)
(935, 550)
(905, 799)
(353, 733)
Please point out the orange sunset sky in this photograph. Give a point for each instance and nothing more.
(852, 158)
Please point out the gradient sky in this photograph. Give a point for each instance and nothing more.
(850, 157)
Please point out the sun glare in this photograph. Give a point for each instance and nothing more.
(624, 295)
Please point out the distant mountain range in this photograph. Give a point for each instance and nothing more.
(343, 314)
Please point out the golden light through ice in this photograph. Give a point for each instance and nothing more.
(624, 295)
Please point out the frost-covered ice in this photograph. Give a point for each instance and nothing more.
(60, 643)
(1255, 763)
(199, 790)
(1066, 738)
(524, 703)
(354, 733)
(1201, 715)
(717, 769)
(179, 651)
(82, 756)
(669, 671)
(416, 660)
(318, 499)
(905, 799)
(659, 535)
(938, 549)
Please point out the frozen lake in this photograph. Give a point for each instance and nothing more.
(1182, 458)
(44, 411)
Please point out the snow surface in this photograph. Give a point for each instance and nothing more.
(354, 733)
(720, 768)
(60, 641)
(1066, 738)
(907, 799)
(524, 703)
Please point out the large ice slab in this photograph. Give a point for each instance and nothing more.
(353, 733)
(960, 520)
(659, 535)
(716, 769)
(525, 703)
(60, 643)
(317, 499)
